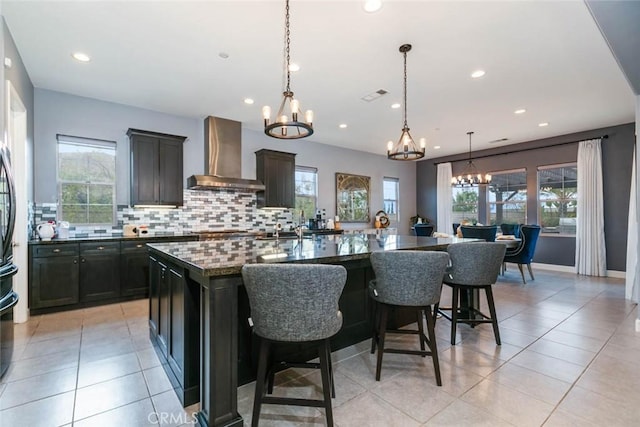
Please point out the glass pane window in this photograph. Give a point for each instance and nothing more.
(558, 198)
(306, 191)
(507, 198)
(86, 180)
(465, 204)
(391, 190)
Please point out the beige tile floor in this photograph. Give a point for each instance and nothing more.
(569, 357)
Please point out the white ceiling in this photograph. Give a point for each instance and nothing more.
(546, 56)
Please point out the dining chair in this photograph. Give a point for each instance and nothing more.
(486, 232)
(294, 303)
(474, 266)
(423, 229)
(523, 254)
(510, 229)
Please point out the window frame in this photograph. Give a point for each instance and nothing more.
(306, 169)
(541, 202)
(393, 217)
(69, 140)
(490, 203)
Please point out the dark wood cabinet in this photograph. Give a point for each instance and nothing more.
(54, 275)
(174, 307)
(99, 271)
(277, 171)
(156, 168)
(134, 269)
(66, 275)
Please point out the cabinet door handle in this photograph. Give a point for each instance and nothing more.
(139, 246)
(55, 251)
(75, 261)
(83, 260)
(100, 248)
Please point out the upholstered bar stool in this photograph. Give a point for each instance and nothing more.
(294, 303)
(409, 279)
(474, 266)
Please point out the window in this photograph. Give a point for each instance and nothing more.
(391, 190)
(306, 191)
(507, 197)
(465, 204)
(558, 198)
(86, 180)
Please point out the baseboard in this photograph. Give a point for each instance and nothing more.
(571, 269)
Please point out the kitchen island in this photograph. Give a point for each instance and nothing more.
(199, 309)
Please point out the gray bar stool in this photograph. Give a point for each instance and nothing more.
(474, 266)
(294, 303)
(409, 279)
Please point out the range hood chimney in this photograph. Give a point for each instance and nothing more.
(222, 158)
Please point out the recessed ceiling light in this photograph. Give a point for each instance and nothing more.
(396, 105)
(293, 67)
(342, 125)
(372, 5)
(436, 147)
(82, 57)
(248, 101)
(223, 55)
(520, 111)
(543, 124)
(477, 74)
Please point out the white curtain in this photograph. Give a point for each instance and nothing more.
(631, 288)
(444, 196)
(591, 255)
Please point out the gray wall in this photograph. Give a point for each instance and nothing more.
(62, 113)
(329, 160)
(616, 168)
(73, 115)
(20, 80)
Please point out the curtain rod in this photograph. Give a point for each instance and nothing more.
(606, 136)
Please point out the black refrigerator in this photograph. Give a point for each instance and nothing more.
(8, 298)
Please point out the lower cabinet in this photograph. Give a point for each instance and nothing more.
(174, 324)
(134, 269)
(68, 275)
(99, 271)
(54, 276)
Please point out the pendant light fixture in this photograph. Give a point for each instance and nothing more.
(405, 148)
(284, 126)
(471, 176)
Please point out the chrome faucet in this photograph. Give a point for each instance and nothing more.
(277, 230)
(300, 231)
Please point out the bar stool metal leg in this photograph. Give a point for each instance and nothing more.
(455, 304)
(260, 381)
(492, 312)
(327, 383)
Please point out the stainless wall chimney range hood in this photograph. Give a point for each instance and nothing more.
(222, 158)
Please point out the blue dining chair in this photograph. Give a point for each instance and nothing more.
(423, 229)
(511, 229)
(523, 254)
(486, 232)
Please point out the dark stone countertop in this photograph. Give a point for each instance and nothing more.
(226, 257)
(154, 237)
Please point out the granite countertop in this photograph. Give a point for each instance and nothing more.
(226, 257)
(156, 236)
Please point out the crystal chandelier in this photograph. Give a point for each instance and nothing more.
(284, 127)
(471, 176)
(405, 148)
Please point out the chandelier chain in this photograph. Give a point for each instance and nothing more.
(405, 88)
(287, 43)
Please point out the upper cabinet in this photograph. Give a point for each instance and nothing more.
(156, 168)
(277, 171)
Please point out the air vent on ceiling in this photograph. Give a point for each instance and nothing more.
(375, 95)
(498, 140)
